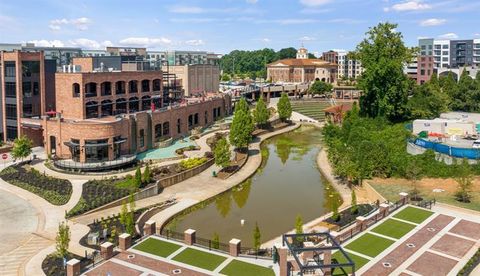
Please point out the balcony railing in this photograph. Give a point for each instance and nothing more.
(69, 164)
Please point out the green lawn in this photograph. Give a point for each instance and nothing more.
(369, 245)
(413, 214)
(240, 268)
(393, 228)
(199, 259)
(157, 247)
(359, 262)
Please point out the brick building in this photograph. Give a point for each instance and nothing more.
(102, 117)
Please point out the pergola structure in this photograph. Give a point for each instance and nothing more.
(310, 257)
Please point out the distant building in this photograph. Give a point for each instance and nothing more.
(301, 69)
(197, 78)
(446, 55)
(61, 55)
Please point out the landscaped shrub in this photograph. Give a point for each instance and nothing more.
(180, 151)
(54, 190)
(192, 162)
(96, 193)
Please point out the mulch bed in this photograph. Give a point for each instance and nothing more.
(52, 265)
(347, 217)
(235, 165)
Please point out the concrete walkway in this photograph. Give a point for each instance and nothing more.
(49, 216)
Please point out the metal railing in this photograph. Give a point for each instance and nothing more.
(94, 166)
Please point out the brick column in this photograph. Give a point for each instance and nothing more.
(336, 236)
(190, 236)
(106, 250)
(384, 207)
(235, 245)
(361, 223)
(149, 228)
(327, 259)
(404, 197)
(282, 260)
(124, 241)
(307, 254)
(110, 148)
(158, 229)
(73, 267)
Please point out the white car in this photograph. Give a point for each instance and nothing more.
(476, 144)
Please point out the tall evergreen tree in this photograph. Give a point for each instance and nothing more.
(260, 114)
(284, 108)
(242, 125)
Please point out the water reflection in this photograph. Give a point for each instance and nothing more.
(287, 184)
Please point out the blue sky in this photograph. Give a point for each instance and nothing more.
(224, 25)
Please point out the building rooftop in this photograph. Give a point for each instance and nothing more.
(302, 62)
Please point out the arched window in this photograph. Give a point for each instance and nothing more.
(107, 108)
(106, 88)
(120, 87)
(206, 117)
(146, 103)
(179, 126)
(157, 85)
(166, 129)
(190, 121)
(158, 131)
(76, 90)
(91, 109)
(133, 86)
(133, 104)
(145, 86)
(157, 102)
(91, 89)
(121, 106)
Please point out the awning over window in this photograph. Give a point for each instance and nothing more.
(120, 141)
(70, 144)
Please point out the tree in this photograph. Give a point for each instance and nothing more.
(216, 241)
(22, 147)
(63, 239)
(428, 100)
(320, 88)
(261, 114)
(225, 77)
(222, 153)
(130, 216)
(147, 175)
(124, 215)
(385, 86)
(284, 107)
(354, 207)
(257, 236)
(286, 53)
(138, 178)
(414, 174)
(335, 215)
(299, 228)
(242, 125)
(464, 180)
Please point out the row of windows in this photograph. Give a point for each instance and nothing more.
(120, 88)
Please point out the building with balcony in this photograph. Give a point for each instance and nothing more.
(103, 118)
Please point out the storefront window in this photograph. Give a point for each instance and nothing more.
(96, 150)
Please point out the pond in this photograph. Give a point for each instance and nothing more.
(286, 185)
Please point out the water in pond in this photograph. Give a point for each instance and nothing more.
(288, 184)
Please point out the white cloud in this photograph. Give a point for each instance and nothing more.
(195, 42)
(187, 9)
(81, 23)
(409, 5)
(145, 41)
(47, 43)
(314, 3)
(432, 22)
(266, 40)
(448, 36)
(252, 1)
(306, 38)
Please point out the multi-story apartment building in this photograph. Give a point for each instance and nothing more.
(302, 69)
(61, 55)
(348, 68)
(103, 118)
(330, 56)
(447, 55)
(27, 87)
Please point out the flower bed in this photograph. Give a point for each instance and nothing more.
(54, 190)
(191, 163)
(53, 264)
(471, 264)
(96, 193)
(346, 216)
